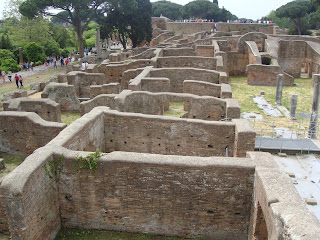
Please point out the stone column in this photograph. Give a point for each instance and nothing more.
(98, 44)
(312, 133)
(279, 89)
(20, 55)
(293, 106)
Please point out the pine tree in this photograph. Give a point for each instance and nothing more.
(216, 2)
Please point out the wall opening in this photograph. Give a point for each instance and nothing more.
(266, 61)
(261, 231)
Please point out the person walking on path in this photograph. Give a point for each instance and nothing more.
(16, 77)
(21, 81)
(55, 65)
(46, 65)
(9, 75)
(3, 73)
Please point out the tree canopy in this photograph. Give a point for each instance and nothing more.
(168, 9)
(296, 11)
(79, 12)
(129, 18)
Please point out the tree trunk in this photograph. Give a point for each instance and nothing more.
(79, 33)
(123, 40)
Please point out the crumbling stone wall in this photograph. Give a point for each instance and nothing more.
(167, 136)
(128, 75)
(189, 62)
(111, 88)
(166, 202)
(189, 28)
(63, 94)
(114, 72)
(174, 52)
(178, 75)
(245, 28)
(207, 89)
(45, 108)
(259, 74)
(23, 132)
(82, 82)
(205, 50)
(106, 100)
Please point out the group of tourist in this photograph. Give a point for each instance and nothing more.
(27, 66)
(54, 61)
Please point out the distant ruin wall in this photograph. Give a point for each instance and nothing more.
(244, 28)
(188, 28)
(188, 62)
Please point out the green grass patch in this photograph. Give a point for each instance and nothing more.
(74, 234)
(244, 93)
(11, 162)
(69, 117)
(176, 109)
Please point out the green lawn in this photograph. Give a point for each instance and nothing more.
(244, 93)
(176, 109)
(69, 117)
(11, 162)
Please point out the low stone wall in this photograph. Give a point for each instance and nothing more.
(82, 82)
(174, 52)
(205, 50)
(105, 100)
(188, 62)
(178, 75)
(114, 72)
(127, 76)
(23, 132)
(259, 74)
(111, 88)
(47, 109)
(189, 28)
(244, 28)
(63, 94)
(207, 89)
(206, 108)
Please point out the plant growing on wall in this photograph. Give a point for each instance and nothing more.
(88, 162)
(54, 168)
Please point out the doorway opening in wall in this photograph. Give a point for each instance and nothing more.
(266, 61)
(174, 109)
(306, 71)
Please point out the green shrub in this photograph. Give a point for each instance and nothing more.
(64, 52)
(35, 52)
(6, 54)
(51, 48)
(9, 64)
(38, 63)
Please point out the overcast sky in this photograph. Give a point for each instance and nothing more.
(252, 9)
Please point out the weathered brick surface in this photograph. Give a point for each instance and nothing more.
(45, 108)
(205, 50)
(24, 132)
(178, 75)
(106, 100)
(162, 135)
(189, 62)
(146, 193)
(245, 28)
(171, 52)
(30, 199)
(202, 88)
(82, 82)
(111, 88)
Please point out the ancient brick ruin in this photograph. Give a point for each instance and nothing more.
(196, 175)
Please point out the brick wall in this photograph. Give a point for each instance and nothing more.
(132, 132)
(45, 108)
(159, 195)
(24, 132)
(189, 62)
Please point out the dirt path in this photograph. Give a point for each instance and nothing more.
(39, 74)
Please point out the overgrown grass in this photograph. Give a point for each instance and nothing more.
(176, 109)
(74, 234)
(69, 117)
(11, 162)
(244, 93)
